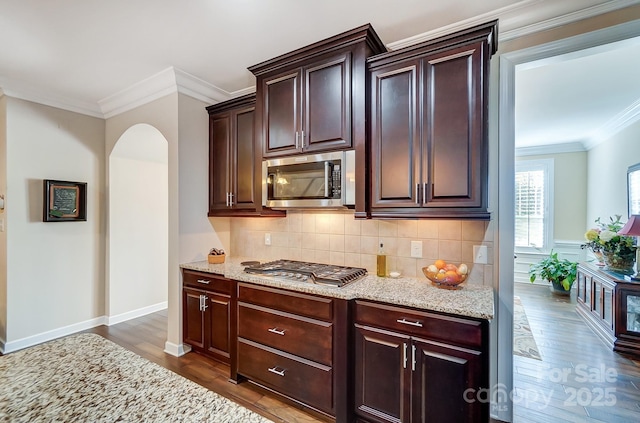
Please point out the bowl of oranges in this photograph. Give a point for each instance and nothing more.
(446, 275)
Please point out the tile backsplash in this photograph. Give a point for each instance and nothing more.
(337, 238)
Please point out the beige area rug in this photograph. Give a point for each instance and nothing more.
(86, 378)
(524, 344)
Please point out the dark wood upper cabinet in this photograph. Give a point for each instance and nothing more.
(429, 147)
(314, 98)
(235, 160)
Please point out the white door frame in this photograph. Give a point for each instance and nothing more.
(506, 176)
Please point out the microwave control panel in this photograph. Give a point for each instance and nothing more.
(336, 183)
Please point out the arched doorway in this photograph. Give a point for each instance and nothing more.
(137, 256)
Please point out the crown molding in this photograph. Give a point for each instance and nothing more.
(538, 150)
(579, 15)
(460, 25)
(625, 118)
(19, 90)
(168, 81)
(502, 15)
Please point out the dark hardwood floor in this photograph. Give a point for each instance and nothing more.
(579, 378)
(146, 337)
(550, 390)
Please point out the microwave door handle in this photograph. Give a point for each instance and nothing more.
(327, 180)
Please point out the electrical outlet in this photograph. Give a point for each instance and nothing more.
(416, 249)
(267, 239)
(480, 254)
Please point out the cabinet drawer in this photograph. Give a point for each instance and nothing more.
(294, 334)
(292, 302)
(457, 330)
(207, 281)
(303, 380)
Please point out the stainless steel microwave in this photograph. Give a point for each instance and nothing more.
(325, 180)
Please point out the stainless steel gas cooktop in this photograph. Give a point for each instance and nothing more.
(308, 272)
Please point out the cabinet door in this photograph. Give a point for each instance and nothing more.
(243, 164)
(193, 319)
(382, 375)
(395, 137)
(327, 104)
(445, 383)
(281, 113)
(219, 159)
(218, 317)
(453, 125)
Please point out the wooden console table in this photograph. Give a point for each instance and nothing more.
(610, 305)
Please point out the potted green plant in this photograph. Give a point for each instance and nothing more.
(560, 272)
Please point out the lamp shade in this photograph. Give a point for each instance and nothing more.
(632, 227)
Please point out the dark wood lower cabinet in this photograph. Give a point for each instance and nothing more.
(407, 377)
(444, 382)
(352, 361)
(208, 306)
(296, 345)
(382, 382)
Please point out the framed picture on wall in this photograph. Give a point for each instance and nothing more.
(64, 201)
(633, 189)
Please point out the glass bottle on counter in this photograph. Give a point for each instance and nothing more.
(381, 268)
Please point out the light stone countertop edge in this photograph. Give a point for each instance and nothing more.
(471, 301)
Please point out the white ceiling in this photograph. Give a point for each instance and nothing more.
(81, 54)
(579, 99)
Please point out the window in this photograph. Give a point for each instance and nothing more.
(633, 186)
(534, 220)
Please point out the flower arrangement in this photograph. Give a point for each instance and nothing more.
(604, 239)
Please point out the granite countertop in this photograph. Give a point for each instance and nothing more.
(471, 300)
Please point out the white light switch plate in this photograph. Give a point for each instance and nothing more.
(267, 239)
(416, 249)
(480, 254)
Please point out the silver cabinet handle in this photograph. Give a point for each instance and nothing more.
(297, 140)
(409, 322)
(204, 303)
(302, 140)
(276, 331)
(276, 371)
(200, 305)
(417, 193)
(405, 354)
(204, 281)
(424, 193)
(230, 199)
(413, 358)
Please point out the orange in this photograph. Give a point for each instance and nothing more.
(440, 264)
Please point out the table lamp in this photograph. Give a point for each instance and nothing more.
(632, 228)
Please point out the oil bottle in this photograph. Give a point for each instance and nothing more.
(381, 269)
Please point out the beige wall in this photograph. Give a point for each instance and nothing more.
(55, 272)
(607, 181)
(337, 238)
(570, 194)
(138, 223)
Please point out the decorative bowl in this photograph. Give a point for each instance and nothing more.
(445, 280)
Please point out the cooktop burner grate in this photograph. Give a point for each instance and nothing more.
(310, 272)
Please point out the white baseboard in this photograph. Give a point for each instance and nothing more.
(8, 347)
(119, 318)
(176, 350)
(28, 341)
